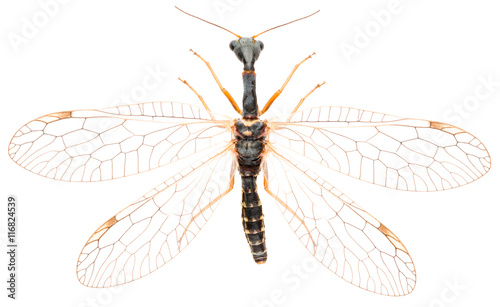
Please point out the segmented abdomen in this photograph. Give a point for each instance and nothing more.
(253, 219)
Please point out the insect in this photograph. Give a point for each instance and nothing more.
(105, 144)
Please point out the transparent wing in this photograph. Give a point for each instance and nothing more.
(400, 153)
(341, 235)
(95, 145)
(154, 229)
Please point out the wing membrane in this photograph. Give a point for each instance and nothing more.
(400, 153)
(95, 145)
(341, 235)
(154, 229)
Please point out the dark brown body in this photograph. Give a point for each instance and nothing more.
(250, 137)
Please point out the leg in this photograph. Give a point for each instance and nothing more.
(224, 91)
(199, 96)
(278, 92)
(281, 202)
(231, 185)
(304, 98)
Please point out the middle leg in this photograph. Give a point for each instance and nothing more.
(278, 92)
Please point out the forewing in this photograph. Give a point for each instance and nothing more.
(154, 229)
(400, 153)
(95, 145)
(341, 235)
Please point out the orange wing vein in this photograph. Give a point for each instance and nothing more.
(95, 145)
(400, 153)
(154, 229)
(341, 235)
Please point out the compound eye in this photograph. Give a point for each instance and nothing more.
(233, 44)
(261, 45)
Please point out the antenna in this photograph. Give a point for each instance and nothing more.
(286, 24)
(213, 24)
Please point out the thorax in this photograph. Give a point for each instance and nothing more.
(250, 129)
(250, 137)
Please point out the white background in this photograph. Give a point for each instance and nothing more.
(425, 62)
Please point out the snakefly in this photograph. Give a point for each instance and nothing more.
(104, 144)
